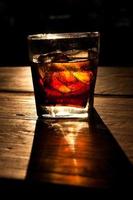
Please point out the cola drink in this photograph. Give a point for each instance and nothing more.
(64, 71)
(63, 79)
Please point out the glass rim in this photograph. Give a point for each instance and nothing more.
(69, 35)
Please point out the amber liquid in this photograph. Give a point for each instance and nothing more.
(63, 83)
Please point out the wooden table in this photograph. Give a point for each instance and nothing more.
(67, 155)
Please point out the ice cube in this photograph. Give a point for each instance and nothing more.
(44, 58)
(56, 56)
(60, 57)
(75, 55)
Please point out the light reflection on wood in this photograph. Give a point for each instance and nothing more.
(74, 152)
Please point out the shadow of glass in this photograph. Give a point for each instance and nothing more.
(80, 153)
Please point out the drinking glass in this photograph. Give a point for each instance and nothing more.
(64, 71)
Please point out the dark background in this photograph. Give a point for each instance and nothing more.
(113, 18)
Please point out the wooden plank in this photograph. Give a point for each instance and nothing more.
(15, 79)
(17, 105)
(115, 81)
(116, 113)
(111, 80)
(16, 137)
(54, 167)
(74, 152)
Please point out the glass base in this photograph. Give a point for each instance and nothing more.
(63, 112)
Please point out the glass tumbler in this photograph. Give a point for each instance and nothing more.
(64, 71)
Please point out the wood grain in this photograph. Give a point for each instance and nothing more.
(114, 112)
(70, 153)
(117, 114)
(16, 138)
(80, 153)
(114, 81)
(15, 79)
(18, 105)
(110, 80)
